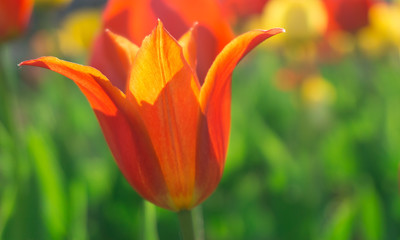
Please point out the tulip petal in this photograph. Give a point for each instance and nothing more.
(115, 60)
(125, 48)
(122, 127)
(189, 47)
(126, 51)
(136, 19)
(161, 82)
(188, 44)
(99, 91)
(215, 94)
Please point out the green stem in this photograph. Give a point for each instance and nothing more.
(150, 221)
(198, 222)
(186, 224)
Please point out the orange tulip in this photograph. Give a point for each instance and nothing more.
(136, 19)
(167, 132)
(14, 17)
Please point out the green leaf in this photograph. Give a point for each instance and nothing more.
(340, 222)
(50, 179)
(372, 220)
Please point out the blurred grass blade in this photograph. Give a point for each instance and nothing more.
(6, 90)
(275, 152)
(10, 146)
(49, 177)
(78, 210)
(7, 204)
(371, 214)
(7, 184)
(340, 224)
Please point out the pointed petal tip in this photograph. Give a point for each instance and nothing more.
(109, 33)
(37, 61)
(160, 26)
(159, 22)
(194, 27)
(274, 31)
(27, 62)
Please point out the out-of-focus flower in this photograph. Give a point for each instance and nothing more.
(14, 17)
(316, 90)
(304, 20)
(135, 19)
(52, 3)
(289, 78)
(318, 95)
(167, 131)
(239, 9)
(42, 43)
(335, 45)
(371, 43)
(347, 20)
(347, 15)
(384, 32)
(78, 31)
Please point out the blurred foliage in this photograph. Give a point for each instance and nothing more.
(313, 154)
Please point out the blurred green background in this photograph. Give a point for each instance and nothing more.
(311, 158)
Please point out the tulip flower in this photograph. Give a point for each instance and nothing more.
(14, 17)
(166, 131)
(382, 36)
(77, 31)
(305, 20)
(347, 15)
(235, 10)
(136, 19)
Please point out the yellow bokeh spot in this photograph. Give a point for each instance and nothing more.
(371, 42)
(316, 90)
(385, 18)
(78, 30)
(383, 33)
